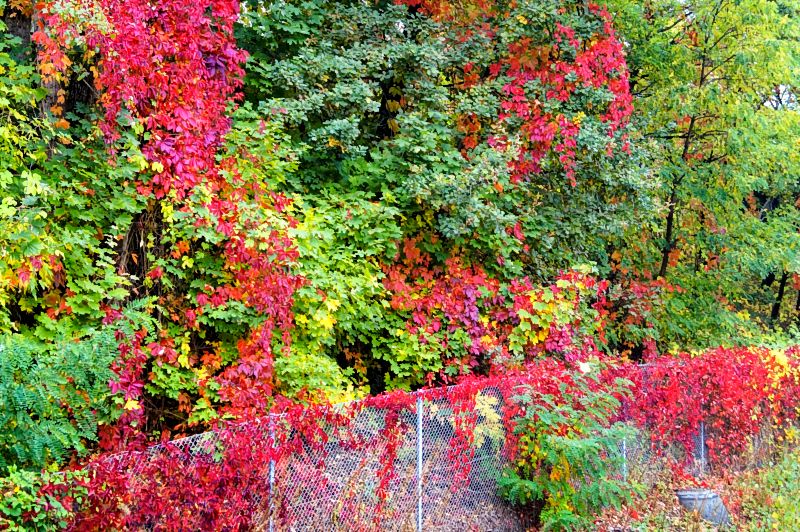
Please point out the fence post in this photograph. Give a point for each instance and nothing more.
(702, 447)
(625, 444)
(419, 462)
(271, 472)
(625, 458)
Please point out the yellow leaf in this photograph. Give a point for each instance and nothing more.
(167, 210)
(332, 304)
(132, 404)
(327, 321)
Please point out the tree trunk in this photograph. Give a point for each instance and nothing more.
(669, 239)
(776, 306)
(18, 25)
(667, 249)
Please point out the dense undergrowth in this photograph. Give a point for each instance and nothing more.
(212, 210)
(761, 499)
(769, 496)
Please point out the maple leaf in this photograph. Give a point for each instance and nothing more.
(327, 321)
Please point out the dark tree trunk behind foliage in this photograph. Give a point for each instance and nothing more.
(776, 306)
(19, 26)
(668, 235)
(669, 238)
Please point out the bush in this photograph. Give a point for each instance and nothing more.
(52, 400)
(54, 396)
(567, 456)
(770, 496)
(26, 503)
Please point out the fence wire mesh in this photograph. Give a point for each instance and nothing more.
(335, 486)
(331, 487)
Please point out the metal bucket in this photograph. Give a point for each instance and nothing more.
(706, 503)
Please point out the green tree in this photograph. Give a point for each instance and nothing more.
(394, 114)
(713, 85)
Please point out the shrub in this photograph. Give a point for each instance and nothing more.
(52, 399)
(770, 496)
(567, 455)
(25, 502)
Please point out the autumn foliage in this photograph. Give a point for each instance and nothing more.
(171, 72)
(223, 478)
(539, 74)
(218, 212)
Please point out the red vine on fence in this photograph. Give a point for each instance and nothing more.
(223, 481)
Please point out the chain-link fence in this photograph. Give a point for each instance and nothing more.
(336, 485)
